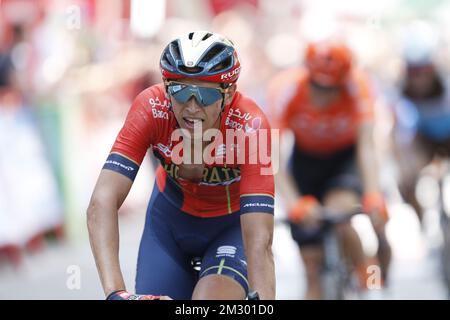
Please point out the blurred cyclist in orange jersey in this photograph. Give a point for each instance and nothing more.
(328, 106)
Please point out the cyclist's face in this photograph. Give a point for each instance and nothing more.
(421, 79)
(323, 95)
(193, 113)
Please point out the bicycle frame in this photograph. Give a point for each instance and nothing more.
(444, 217)
(336, 276)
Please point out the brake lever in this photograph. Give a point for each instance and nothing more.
(253, 295)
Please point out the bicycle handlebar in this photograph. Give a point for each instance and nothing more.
(253, 295)
(331, 217)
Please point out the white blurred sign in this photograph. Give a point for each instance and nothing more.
(147, 17)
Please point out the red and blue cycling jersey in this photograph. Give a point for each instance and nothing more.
(226, 186)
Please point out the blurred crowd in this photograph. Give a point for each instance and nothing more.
(69, 70)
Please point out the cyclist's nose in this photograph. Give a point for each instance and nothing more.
(192, 105)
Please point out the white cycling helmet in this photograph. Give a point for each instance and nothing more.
(201, 55)
(420, 43)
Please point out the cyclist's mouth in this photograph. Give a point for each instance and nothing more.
(192, 123)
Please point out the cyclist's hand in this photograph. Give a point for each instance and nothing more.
(375, 206)
(125, 295)
(306, 211)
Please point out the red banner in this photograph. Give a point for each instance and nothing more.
(218, 6)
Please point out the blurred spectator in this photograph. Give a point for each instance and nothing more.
(5, 69)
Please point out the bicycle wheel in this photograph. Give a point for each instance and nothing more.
(331, 286)
(333, 270)
(445, 251)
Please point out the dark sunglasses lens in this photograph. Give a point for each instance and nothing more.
(204, 96)
(179, 92)
(209, 95)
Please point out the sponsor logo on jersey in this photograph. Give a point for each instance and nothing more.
(157, 103)
(226, 251)
(164, 149)
(258, 204)
(159, 114)
(256, 124)
(221, 150)
(159, 108)
(236, 119)
(116, 163)
(211, 176)
(236, 113)
(233, 124)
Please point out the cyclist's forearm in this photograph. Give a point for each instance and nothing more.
(286, 187)
(368, 170)
(367, 161)
(104, 238)
(261, 273)
(257, 233)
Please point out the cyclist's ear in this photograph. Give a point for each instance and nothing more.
(229, 94)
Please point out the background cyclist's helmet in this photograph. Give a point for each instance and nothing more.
(328, 63)
(420, 44)
(203, 56)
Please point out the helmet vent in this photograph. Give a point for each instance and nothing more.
(223, 65)
(206, 36)
(190, 70)
(213, 52)
(176, 50)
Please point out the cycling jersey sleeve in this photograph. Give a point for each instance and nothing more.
(139, 131)
(257, 182)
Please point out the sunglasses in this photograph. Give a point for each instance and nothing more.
(205, 96)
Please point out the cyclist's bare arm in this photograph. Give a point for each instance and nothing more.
(110, 191)
(368, 165)
(367, 157)
(284, 182)
(286, 187)
(257, 233)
